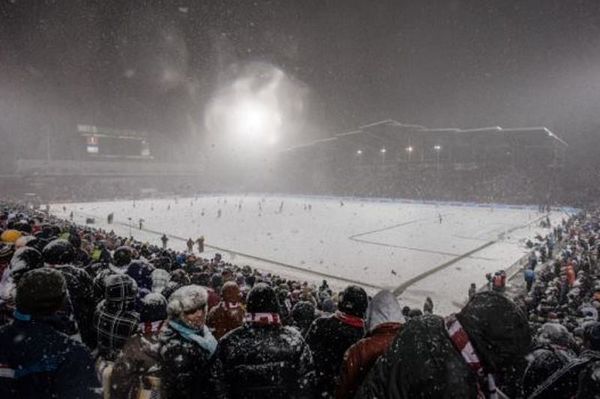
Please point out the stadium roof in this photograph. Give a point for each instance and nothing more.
(379, 133)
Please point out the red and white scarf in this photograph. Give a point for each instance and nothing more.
(151, 327)
(353, 321)
(263, 319)
(462, 343)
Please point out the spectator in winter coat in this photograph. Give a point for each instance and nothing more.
(553, 350)
(36, 361)
(263, 359)
(384, 319)
(58, 254)
(160, 279)
(187, 346)
(330, 336)
(576, 379)
(453, 357)
(23, 260)
(589, 381)
(121, 259)
(137, 368)
(227, 314)
(303, 314)
(115, 319)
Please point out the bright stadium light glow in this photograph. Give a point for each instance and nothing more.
(359, 152)
(254, 119)
(409, 149)
(383, 150)
(437, 147)
(255, 107)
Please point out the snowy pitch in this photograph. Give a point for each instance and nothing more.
(377, 244)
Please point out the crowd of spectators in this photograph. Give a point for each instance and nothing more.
(85, 313)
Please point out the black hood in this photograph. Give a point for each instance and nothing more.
(498, 329)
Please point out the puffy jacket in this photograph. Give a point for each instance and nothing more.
(421, 362)
(185, 367)
(263, 362)
(329, 337)
(79, 285)
(36, 361)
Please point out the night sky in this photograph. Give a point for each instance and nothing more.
(447, 63)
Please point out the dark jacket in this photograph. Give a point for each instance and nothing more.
(571, 380)
(263, 362)
(542, 363)
(36, 361)
(329, 338)
(421, 363)
(589, 383)
(79, 286)
(185, 367)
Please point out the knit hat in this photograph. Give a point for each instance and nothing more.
(122, 256)
(24, 260)
(262, 299)
(10, 236)
(230, 292)
(187, 299)
(41, 292)
(353, 301)
(120, 288)
(498, 329)
(58, 252)
(153, 307)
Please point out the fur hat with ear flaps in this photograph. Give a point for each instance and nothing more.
(187, 299)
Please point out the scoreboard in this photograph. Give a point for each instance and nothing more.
(103, 142)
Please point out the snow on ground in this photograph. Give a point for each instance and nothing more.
(378, 244)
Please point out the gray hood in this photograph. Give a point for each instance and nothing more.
(383, 308)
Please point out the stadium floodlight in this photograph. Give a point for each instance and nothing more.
(359, 152)
(409, 149)
(437, 147)
(383, 150)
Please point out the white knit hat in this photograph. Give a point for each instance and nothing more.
(187, 298)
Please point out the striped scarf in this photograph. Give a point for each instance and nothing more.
(462, 343)
(263, 319)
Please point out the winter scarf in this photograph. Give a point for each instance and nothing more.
(353, 321)
(462, 343)
(263, 319)
(206, 341)
(151, 327)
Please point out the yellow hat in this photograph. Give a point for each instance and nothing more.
(11, 236)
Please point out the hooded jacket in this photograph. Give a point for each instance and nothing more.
(424, 362)
(384, 319)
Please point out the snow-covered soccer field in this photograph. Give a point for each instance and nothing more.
(377, 244)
